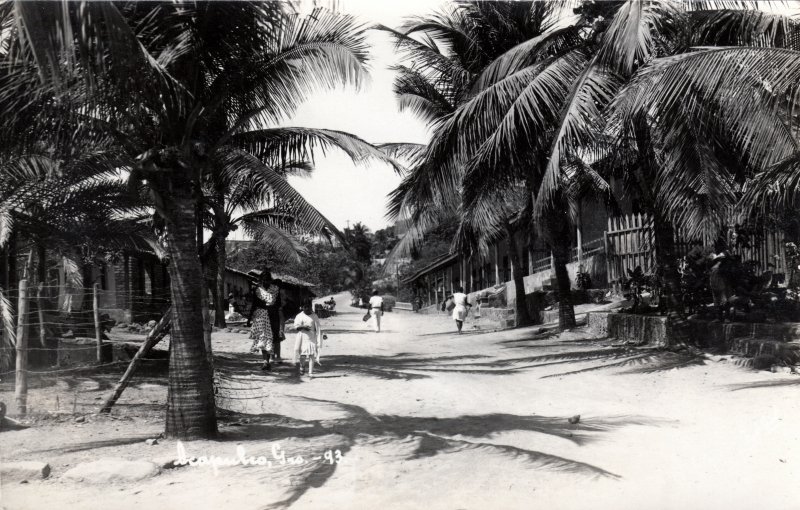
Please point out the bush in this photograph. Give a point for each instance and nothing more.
(389, 302)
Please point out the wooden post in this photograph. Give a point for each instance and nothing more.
(40, 310)
(609, 275)
(98, 331)
(530, 259)
(428, 285)
(155, 335)
(21, 383)
(497, 264)
(579, 237)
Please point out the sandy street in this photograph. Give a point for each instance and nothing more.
(419, 417)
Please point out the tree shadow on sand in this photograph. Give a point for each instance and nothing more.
(424, 437)
(401, 366)
(602, 354)
(407, 366)
(96, 445)
(765, 384)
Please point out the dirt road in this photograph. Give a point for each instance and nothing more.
(419, 417)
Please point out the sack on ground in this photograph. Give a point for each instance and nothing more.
(366, 316)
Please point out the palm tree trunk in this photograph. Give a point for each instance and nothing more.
(12, 278)
(191, 410)
(523, 316)
(566, 312)
(221, 299)
(667, 265)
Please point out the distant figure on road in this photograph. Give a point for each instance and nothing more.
(376, 309)
(460, 309)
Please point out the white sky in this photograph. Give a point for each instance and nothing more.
(338, 189)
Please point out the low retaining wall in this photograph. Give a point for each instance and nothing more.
(747, 339)
(721, 335)
(597, 322)
(496, 318)
(633, 329)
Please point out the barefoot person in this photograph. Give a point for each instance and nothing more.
(308, 340)
(376, 309)
(265, 297)
(460, 309)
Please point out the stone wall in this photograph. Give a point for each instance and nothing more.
(746, 339)
(496, 318)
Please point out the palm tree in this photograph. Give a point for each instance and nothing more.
(694, 141)
(154, 77)
(258, 180)
(452, 49)
(79, 210)
(537, 113)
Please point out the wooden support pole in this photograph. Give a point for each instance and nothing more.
(98, 330)
(497, 264)
(155, 336)
(21, 383)
(40, 310)
(530, 259)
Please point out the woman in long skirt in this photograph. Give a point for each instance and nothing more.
(265, 295)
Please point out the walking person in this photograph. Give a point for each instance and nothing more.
(461, 305)
(308, 340)
(265, 298)
(376, 309)
(277, 319)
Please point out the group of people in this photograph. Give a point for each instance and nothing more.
(266, 321)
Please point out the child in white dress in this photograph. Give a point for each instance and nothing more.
(308, 340)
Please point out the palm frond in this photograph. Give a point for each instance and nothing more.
(412, 153)
(577, 126)
(320, 51)
(775, 189)
(745, 27)
(743, 84)
(525, 54)
(281, 243)
(94, 38)
(418, 94)
(287, 144)
(630, 41)
(7, 318)
(236, 164)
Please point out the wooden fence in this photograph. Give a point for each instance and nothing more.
(630, 242)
